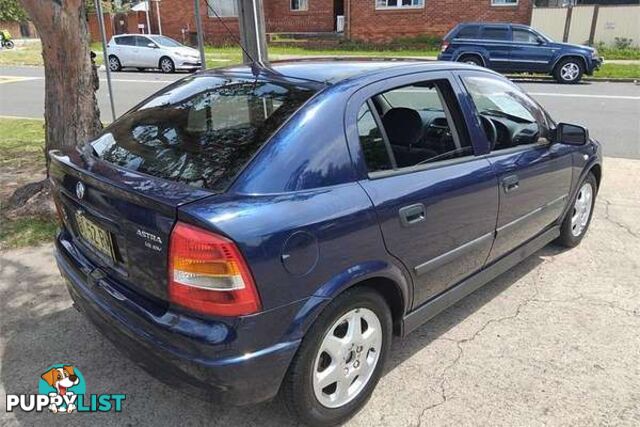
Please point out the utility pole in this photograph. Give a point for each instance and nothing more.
(196, 8)
(105, 55)
(253, 31)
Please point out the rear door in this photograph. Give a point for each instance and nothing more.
(125, 50)
(534, 175)
(529, 52)
(496, 39)
(436, 201)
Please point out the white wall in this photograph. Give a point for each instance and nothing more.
(613, 21)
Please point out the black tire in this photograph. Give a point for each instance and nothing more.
(9, 44)
(297, 389)
(114, 63)
(471, 59)
(568, 236)
(166, 65)
(569, 71)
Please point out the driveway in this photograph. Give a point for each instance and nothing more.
(555, 341)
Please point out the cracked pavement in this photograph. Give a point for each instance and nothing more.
(554, 341)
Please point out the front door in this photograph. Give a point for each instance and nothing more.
(436, 201)
(148, 52)
(534, 175)
(529, 51)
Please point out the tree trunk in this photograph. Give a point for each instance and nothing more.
(71, 110)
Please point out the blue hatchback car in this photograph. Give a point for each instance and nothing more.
(514, 48)
(243, 233)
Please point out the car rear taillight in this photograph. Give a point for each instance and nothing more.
(444, 46)
(207, 274)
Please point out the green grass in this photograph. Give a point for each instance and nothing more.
(619, 71)
(21, 143)
(22, 159)
(616, 53)
(26, 232)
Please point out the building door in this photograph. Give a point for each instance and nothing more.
(338, 10)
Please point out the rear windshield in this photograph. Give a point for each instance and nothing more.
(202, 130)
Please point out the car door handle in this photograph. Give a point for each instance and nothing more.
(413, 214)
(510, 183)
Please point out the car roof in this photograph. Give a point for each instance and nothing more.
(334, 70)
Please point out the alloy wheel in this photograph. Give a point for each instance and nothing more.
(166, 65)
(582, 209)
(347, 358)
(114, 64)
(570, 71)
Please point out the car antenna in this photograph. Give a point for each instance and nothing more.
(256, 66)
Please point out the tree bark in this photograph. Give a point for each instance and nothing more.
(71, 110)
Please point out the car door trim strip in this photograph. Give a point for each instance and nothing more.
(534, 212)
(448, 257)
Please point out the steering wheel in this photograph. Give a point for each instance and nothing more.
(490, 130)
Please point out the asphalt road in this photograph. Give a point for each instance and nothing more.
(553, 342)
(611, 111)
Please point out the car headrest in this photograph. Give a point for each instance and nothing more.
(403, 126)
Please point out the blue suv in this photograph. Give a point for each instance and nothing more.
(253, 231)
(512, 48)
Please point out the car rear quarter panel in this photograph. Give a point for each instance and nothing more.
(301, 243)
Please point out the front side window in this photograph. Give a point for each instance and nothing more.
(201, 131)
(300, 5)
(419, 127)
(398, 4)
(495, 33)
(509, 117)
(143, 42)
(524, 36)
(222, 8)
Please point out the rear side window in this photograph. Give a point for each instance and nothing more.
(468, 32)
(495, 33)
(201, 131)
(126, 41)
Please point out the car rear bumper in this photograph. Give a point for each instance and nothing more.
(202, 357)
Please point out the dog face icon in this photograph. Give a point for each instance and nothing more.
(61, 379)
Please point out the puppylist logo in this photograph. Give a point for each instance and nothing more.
(62, 390)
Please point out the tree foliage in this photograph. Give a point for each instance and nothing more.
(11, 10)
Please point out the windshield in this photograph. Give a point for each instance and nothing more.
(200, 131)
(165, 41)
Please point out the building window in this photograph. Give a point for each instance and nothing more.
(399, 4)
(299, 5)
(504, 2)
(222, 8)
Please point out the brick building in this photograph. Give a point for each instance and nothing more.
(367, 20)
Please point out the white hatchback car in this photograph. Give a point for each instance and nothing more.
(151, 51)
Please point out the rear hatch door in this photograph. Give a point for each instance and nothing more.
(119, 219)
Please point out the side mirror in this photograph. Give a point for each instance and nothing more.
(152, 45)
(571, 134)
(540, 41)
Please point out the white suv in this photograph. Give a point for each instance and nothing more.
(151, 51)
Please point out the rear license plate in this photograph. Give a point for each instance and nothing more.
(97, 236)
